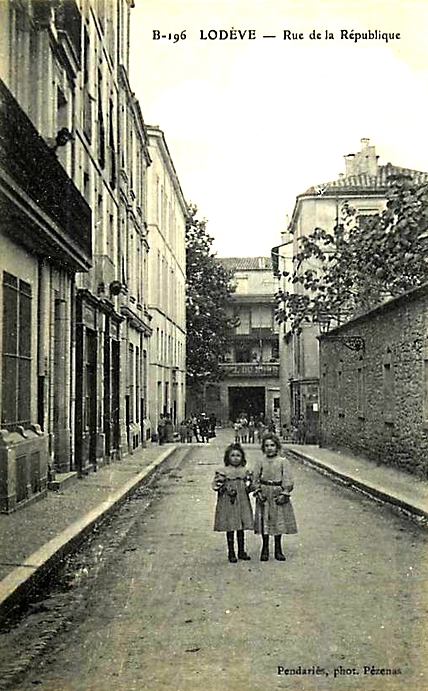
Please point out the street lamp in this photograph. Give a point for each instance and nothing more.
(352, 342)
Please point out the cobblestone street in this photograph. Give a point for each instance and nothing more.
(172, 614)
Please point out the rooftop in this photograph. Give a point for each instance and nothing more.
(366, 181)
(246, 263)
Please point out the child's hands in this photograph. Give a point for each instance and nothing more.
(282, 499)
(260, 496)
(232, 494)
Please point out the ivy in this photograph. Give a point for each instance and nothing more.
(361, 262)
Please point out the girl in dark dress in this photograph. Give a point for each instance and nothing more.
(233, 510)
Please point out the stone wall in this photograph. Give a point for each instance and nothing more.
(375, 401)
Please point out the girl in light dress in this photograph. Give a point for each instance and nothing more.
(272, 486)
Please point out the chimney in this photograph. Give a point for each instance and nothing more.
(364, 162)
(349, 165)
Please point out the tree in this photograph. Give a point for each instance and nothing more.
(208, 294)
(362, 262)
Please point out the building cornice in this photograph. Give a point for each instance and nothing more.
(156, 135)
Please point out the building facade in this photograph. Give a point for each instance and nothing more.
(364, 187)
(250, 381)
(133, 252)
(166, 214)
(74, 247)
(45, 241)
(374, 400)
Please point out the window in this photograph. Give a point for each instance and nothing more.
(101, 127)
(340, 389)
(131, 375)
(360, 390)
(87, 98)
(112, 146)
(68, 19)
(388, 393)
(324, 390)
(16, 355)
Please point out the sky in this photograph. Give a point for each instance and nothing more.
(252, 123)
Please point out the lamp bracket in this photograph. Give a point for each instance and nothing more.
(352, 342)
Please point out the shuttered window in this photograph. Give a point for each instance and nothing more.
(16, 354)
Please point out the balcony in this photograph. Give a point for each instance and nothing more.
(251, 369)
(40, 207)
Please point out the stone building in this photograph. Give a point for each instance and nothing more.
(166, 216)
(374, 384)
(363, 186)
(250, 381)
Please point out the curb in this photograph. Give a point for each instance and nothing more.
(23, 580)
(364, 487)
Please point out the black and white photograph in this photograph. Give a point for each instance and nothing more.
(214, 345)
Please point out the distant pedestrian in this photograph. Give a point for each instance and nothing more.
(251, 430)
(213, 422)
(261, 429)
(271, 426)
(183, 431)
(237, 429)
(204, 427)
(189, 431)
(161, 429)
(301, 430)
(272, 485)
(244, 429)
(195, 428)
(233, 511)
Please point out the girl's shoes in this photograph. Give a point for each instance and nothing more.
(264, 556)
(241, 546)
(231, 547)
(278, 549)
(244, 556)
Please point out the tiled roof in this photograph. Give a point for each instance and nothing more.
(366, 181)
(246, 263)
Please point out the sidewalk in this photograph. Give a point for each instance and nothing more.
(32, 537)
(380, 481)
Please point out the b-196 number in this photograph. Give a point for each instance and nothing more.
(180, 36)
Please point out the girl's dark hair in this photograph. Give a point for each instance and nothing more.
(272, 437)
(234, 447)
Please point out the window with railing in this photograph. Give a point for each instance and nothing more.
(16, 352)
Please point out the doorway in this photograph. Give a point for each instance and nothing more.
(250, 400)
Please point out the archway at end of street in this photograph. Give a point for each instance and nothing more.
(250, 400)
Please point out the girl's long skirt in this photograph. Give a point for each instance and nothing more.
(271, 518)
(237, 515)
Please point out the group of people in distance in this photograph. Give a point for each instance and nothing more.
(247, 430)
(270, 482)
(201, 427)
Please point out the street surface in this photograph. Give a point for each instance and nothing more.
(349, 606)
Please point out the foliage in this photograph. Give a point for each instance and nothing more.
(362, 262)
(208, 294)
